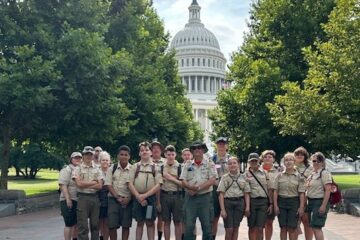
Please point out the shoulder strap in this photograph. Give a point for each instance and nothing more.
(114, 168)
(233, 181)
(137, 170)
(153, 169)
(260, 184)
(179, 170)
(162, 170)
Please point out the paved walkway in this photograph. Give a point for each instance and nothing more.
(48, 225)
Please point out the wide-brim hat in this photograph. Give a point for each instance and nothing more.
(88, 149)
(197, 144)
(253, 156)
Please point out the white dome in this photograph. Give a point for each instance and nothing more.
(195, 34)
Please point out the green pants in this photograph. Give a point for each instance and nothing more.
(198, 206)
(88, 208)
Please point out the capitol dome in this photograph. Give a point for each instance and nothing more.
(201, 66)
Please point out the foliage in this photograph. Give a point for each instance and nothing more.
(326, 108)
(270, 54)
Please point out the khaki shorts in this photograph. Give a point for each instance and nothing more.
(316, 220)
(171, 206)
(288, 216)
(235, 208)
(119, 216)
(258, 214)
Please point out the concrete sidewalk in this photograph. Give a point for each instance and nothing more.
(48, 225)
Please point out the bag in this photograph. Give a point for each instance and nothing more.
(267, 195)
(335, 192)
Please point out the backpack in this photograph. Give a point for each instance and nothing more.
(233, 181)
(335, 192)
(137, 171)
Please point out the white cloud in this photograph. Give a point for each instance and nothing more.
(225, 18)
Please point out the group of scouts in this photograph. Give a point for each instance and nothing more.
(99, 195)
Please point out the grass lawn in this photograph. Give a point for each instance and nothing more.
(347, 181)
(46, 181)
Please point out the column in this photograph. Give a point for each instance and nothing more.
(196, 84)
(202, 84)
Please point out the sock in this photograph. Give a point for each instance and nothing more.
(159, 235)
(101, 238)
(74, 238)
(213, 237)
(182, 236)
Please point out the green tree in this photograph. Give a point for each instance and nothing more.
(326, 108)
(153, 90)
(270, 54)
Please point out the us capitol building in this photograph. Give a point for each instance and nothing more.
(201, 66)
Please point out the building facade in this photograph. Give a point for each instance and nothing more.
(201, 66)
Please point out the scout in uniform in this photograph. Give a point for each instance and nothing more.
(260, 201)
(88, 180)
(171, 196)
(220, 159)
(304, 168)
(318, 194)
(104, 160)
(144, 182)
(120, 203)
(198, 178)
(68, 196)
(289, 198)
(157, 149)
(234, 199)
(268, 158)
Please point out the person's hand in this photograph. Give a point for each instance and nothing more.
(141, 197)
(120, 200)
(69, 203)
(125, 200)
(276, 210)
(300, 211)
(223, 214)
(193, 188)
(158, 207)
(247, 212)
(270, 210)
(144, 203)
(322, 210)
(192, 193)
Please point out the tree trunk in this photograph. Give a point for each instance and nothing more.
(6, 159)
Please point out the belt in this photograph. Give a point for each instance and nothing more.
(234, 198)
(86, 194)
(172, 192)
(288, 197)
(259, 198)
(315, 198)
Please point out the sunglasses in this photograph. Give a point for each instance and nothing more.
(316, 161)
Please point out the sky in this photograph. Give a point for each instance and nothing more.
(225, 18)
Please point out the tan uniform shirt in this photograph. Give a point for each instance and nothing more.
(159, 163)
(272, 173)
(233, 185)
(145, 179)
(172, 170)
(88, 173)
(65, 178)
(315, 184)
(220, 165)
(119, 180)
(198, 174)
(289, 184)
(256, 189)
(304, 171)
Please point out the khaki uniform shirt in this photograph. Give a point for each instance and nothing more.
(315, 184)
(172, 170)
(256, 189)
(304, 171)
(88, 173)
(220, 165)
(289, 184)
(119, 180)
(198, 174)
(233, 189)
(65, 178)
(145, 179)
(159, 163)
(272, 173)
